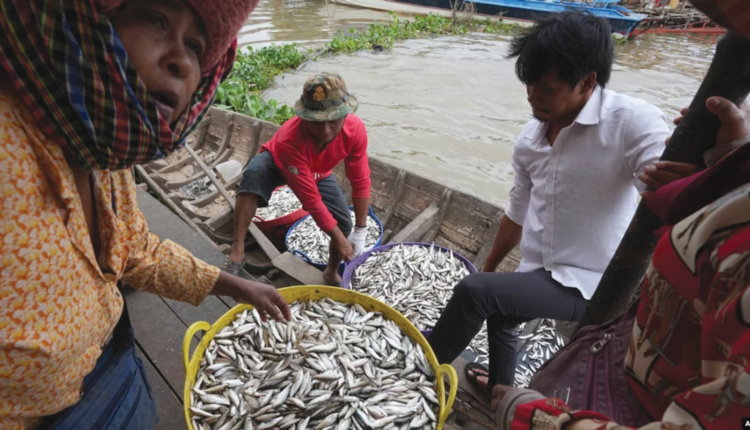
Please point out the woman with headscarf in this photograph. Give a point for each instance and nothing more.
(87, 89)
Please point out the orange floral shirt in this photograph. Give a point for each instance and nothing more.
(58, 305)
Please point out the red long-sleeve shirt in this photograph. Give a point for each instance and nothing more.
(302, 165)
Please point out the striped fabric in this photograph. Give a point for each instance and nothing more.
(71, 70)
(732, 14)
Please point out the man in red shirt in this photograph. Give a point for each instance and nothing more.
(302, 154)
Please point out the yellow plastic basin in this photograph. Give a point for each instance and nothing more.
(293, 294)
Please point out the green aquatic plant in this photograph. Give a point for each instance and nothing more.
(254, 71)
(383, 35)
(236, 95)
(259, 67)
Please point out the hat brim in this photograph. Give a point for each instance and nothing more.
(330, 114)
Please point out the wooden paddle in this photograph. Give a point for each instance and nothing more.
(728, 77)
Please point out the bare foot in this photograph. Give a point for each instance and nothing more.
(332, 277)
(237, 256)
(482, 378)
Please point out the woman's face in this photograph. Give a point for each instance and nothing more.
(164, 41)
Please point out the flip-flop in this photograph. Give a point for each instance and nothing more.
(472, 370)
(234, 269)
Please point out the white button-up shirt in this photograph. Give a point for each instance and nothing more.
(575, 199)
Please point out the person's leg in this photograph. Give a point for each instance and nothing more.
(259, 179)
(334, 199)
(503, 348)
(548, 299)
(505, 300)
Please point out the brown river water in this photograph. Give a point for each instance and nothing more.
(449, 108)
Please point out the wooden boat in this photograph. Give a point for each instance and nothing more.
(217, 140)
(411, 207)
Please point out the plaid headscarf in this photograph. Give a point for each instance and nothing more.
(72, 72)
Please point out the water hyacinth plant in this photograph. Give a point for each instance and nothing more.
(255, 69)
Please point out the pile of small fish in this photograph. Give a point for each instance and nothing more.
(197, 188)
(282, 202)
(308, 238)
(333, 367)
(538, 347)
(417, 281)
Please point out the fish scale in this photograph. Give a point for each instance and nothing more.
(416, 283)
(198, 188)
(316, 389)
(282, 202)
(308, 238)
(540, 344)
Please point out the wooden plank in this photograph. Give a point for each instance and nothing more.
(467, 221)
(489, 239)
(465, 384)
(298, 269)
(211, 176)
(211, 234)
(209, 311)
(473, 403)
(213, 195)
(445, 201)
(177, 165)
(386, 235)
(159, 332)
(220, 219)
(468, 406)
(396, 192)
(167, 201)
(419, 225)
(265, 244)
(458, 421)
(219, 129)
(511, 262)
(168, 405)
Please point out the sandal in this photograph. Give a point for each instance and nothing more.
(474, 371)
(234, 269)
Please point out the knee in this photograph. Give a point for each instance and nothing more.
(250, 175)
(465, 287)
(346, 225)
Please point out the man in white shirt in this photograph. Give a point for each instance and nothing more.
(577, 166)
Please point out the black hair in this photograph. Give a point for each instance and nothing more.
(573, 43)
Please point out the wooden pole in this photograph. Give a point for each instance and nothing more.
(728, 77)
(258, 235)
(219, 186)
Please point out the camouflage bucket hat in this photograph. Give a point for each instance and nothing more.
(324, 98)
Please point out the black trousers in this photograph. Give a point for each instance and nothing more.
(504, 300)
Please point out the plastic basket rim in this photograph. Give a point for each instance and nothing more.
(352, 266)
(192, 359)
